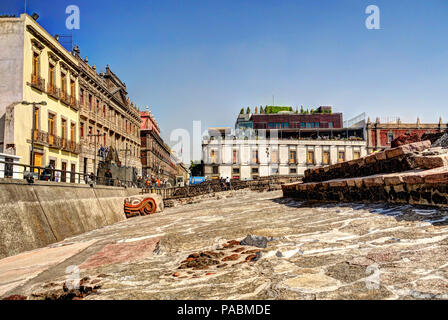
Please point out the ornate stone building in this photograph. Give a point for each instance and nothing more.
(156, 156)
(108, 121)
(380, 134)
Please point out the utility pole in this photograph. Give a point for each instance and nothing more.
(34, 104)
(96, 151)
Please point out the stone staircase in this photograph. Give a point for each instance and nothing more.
(414, 173)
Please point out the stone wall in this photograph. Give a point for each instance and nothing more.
(423, 187)
(403, 158)
(263, 184)
(33, 216)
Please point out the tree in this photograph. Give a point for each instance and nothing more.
(196, 169)
(242, 111)
(256, 110)
(301, 110)
(248, 110)
(261, 110)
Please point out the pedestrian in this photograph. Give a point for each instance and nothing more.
(108, 176)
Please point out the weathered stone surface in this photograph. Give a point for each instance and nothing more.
(431, 162)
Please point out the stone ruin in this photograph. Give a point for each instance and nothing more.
(415, 173)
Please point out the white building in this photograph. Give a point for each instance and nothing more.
(244, 159)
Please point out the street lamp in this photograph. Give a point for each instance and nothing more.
(34, 104)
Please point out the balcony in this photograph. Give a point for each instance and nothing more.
(65, 98)
(54, 141)
(70, 146)
(73, 103)
(53, 91)
(40, 137)
(37, 82)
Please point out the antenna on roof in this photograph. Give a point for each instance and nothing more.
(25, 6)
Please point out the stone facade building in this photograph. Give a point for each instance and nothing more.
(242, 159)
(107, 116)
(156, 156)
(37, 68)
(381, 134)
(283, 143)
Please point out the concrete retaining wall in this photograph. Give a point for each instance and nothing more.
(33, 216)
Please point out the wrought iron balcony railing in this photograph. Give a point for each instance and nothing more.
(53, 91)
(37, 82)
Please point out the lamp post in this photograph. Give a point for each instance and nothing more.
(34, 104)
(96, 136)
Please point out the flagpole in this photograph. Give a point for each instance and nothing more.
(25, 6)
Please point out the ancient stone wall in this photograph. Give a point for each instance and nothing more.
(403, 158)
(422, 187)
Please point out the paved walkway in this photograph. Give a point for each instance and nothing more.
(317, 252)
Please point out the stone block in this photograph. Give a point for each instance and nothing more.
(338, 183)
(370, 159)
(379, 156)
(374, 181)
(413, 179)
(437, 178)
(393, 180)
(431, 162)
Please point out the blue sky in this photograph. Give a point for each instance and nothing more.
(205, 60)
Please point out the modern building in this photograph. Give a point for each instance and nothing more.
(282, 143)
(156, 157)
(381, 133)
(108, 120)
(38, 69)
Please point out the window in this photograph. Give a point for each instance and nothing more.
(255, 170)
(390, 137)
(254, 156)
(63, 85)
(63, 130)
(81, 96)
(35, 74)
(292, 170)
(72, 131)
(51, 78)
(325, 157)
(317, 125)
(213, 156)
(292, 156)
(51, 124)
(341, 156)
(274, 170)
(330, 125)
(36, 118)
(215, 169)
(72, 92)
(310, 157)
(274, 155)
(236, 170)
(356, 155)
(81, 130)
(302, 124)
(308, 125)
(90, 102)
(90, 134)
(235, 156)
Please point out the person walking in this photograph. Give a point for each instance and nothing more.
(108, 176)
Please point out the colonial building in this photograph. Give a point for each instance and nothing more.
(108, 121)
(380, 134)
(156, 156)
(35, 67)
(282, 143)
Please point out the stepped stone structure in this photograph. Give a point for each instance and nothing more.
(414, 173)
